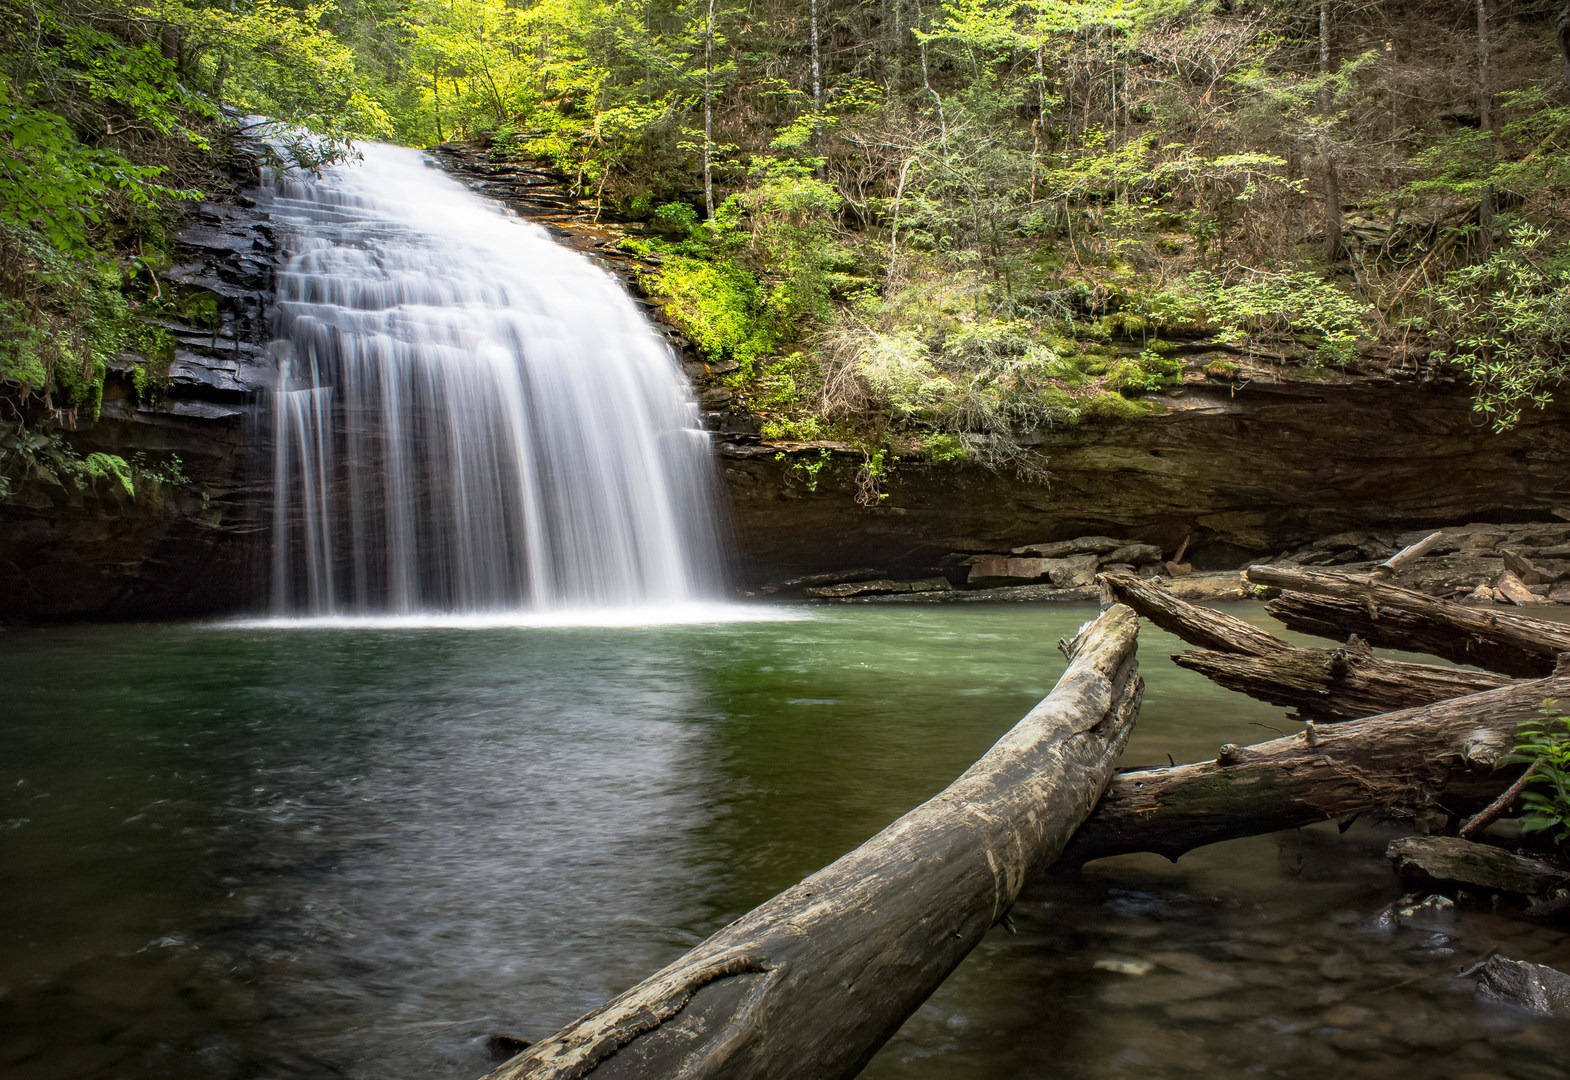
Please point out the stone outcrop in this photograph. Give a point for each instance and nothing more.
(184, 540)
(1240, 474)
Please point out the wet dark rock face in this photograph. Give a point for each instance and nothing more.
(186, 542)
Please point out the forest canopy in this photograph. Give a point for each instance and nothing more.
(927, 226)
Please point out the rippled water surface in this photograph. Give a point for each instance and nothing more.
(276, 851)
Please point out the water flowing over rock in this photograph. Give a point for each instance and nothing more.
(470, 417)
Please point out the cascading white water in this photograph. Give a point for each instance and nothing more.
(470, 417)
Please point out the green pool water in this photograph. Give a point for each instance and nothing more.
(265, 852)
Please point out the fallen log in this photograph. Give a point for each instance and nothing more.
(1449, 860)
(1445, 754)
(812, 982)
(1202, 626)
(1333, 605)
(1331, 685)
(1322, 684)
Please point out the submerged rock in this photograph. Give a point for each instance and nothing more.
(1533, 987)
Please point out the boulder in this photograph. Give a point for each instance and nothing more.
(1514, 589)
(987, 571)
(1133, 554)
(1074, 572)
(1521, 567)
(1533, 987)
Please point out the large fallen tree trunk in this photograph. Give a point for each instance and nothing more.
(1390, 616)
(1446, 753)
(1322, 684)
(811, 983)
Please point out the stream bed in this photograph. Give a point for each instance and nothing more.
(253, 851)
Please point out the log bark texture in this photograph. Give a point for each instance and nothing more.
(1389, 616)
(812, 982)
(1451, 860)
(1201, 626)
(1337, 684)
(1322, 684)
(1446, 753)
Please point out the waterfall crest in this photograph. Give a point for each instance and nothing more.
(470, 417)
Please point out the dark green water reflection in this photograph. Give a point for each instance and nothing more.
(267, 853)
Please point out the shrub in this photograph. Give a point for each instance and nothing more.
(1545, 746)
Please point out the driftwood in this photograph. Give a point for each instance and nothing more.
(1406, 556)
(1322, 684)
(1333, 605)
(811, 983)
(1445, 753)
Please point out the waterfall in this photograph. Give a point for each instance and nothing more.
(469, 417)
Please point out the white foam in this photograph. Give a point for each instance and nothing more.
(691, 614)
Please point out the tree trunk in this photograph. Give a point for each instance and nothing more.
(817, 66)
(1332, 179)
(1562, 36)
(1322, 684)
(1485, 121)
(1389, 616)
(1445, 753)
(708, 116)
(811, 983)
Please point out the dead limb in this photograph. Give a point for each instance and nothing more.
(815, 980)
(1446, 753)
(1201, 626)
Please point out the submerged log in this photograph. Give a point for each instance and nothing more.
(815, 980)
(1333, 605)
(1446, 753)
(1322, 684)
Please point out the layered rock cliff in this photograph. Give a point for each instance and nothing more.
(180, 534)
(1240, 473)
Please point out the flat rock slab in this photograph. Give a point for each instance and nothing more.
(1072, 572)
(878, 587)
(1449, 859)
(1084, 545)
